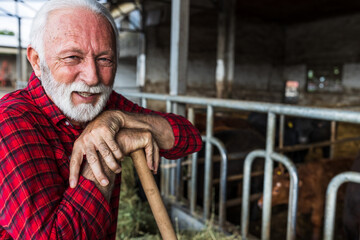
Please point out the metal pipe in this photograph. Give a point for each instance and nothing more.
(231, 46)
(332, 139)
(141, 58)
(330, 205)
(143, 102)
(293, 194)
(168, 106)
(173, 171)
(220, 73)
(172, 180)
(281, 131)
(162, 177)
(299, 111)
(223, 178)
(176, 172)
(208, 162)
(238, 201)
(266, 214)
(178, 181)
(167, 171)
(238, 177)
(165, 176)
(318, 144)
(179, 46)
(246, 191)
(193, 194)
(191, 118)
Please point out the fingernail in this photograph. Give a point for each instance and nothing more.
(118, 170)
(104, 182)
(72, 183)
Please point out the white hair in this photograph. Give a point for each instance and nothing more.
(40, 20)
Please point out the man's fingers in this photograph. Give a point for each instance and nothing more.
(108, 157)
(95, 165)
(131, 140)
(114, 147)
(156, 157)
(75, 164)
(149, 148)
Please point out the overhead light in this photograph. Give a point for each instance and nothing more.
(123, 9)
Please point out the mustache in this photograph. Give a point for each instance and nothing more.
(83, 87)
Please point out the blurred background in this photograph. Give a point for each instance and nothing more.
(260, 50)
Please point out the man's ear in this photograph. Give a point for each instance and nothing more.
(34, 60)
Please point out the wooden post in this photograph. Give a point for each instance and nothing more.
(152, 193)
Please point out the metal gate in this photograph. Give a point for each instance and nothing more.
(172, 172)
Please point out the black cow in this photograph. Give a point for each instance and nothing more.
(296, 131)
(238, 143)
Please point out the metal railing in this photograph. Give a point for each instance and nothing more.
(272, 110)
(330, 207)
(293, 195)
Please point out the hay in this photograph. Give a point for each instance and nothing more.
(135, 217)
(135, 220)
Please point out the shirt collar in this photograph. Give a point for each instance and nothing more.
(37, 93)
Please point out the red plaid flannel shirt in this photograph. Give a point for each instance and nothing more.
(36, 201)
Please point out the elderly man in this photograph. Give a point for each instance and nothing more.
(68, 113)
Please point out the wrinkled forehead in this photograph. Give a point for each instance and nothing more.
(70, 21)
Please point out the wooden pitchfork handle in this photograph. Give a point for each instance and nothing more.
(152, 193)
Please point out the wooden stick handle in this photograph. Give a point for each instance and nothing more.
(152, 193)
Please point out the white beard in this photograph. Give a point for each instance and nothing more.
(60, 93)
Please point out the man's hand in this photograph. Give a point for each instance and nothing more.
(128, 140)
(105, 190)
(98, 136)
(115, 134)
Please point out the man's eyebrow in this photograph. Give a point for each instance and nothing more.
(79, 51)
(71, 50)
(105, 52)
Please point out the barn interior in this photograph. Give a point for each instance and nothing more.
(302, 53)
(250, 50)
(294, 53)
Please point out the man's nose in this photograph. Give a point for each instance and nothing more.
(90, 72)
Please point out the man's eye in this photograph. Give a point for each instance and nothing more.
(71, 59)
(105, 61)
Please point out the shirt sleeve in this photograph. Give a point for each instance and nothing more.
(187, 137)
(34, 201)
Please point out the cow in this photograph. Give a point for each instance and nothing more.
(238, 143)
(313, 180)
(221, 122)
(351, 211)
(296, 131)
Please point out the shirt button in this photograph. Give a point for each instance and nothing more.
(67, 123)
